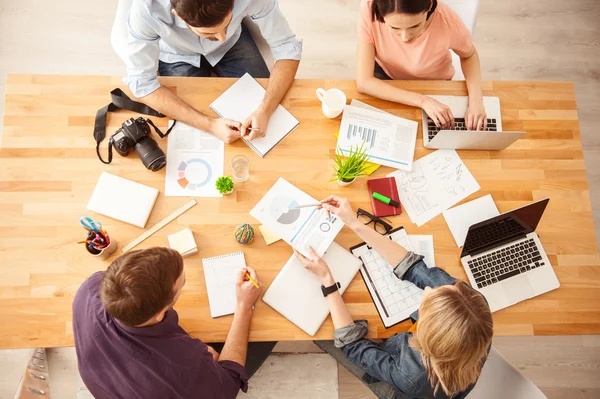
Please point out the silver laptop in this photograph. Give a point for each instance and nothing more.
(459, 138)
(504, 258)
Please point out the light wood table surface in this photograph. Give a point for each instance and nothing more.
(48, 170)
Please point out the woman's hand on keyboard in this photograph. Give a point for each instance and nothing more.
(475, 118)
(438, 112)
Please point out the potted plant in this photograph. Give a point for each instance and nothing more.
(225, 185)
(348, 168)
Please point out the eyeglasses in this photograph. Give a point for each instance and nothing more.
(380, 226)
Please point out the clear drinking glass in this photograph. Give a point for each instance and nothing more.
(241, 168)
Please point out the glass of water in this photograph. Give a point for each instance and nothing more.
(241, 168)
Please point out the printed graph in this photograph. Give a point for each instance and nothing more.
(367, 135)
(194, 173)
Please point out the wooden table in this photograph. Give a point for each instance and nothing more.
(48, 169)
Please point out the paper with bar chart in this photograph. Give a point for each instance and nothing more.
(388, 139)
(194, 162)
(299, 227)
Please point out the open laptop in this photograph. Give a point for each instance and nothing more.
(504, 258)
(459, 138)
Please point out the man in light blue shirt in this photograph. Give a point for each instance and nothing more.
(204, 37)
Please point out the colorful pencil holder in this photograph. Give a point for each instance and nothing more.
(104, 253)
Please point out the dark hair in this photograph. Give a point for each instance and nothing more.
(139, 284)
(381, 8)
(202, 13)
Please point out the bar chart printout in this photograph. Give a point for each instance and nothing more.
(388, 139)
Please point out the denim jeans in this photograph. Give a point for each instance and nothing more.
(243, 57)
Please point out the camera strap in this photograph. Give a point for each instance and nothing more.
(120, 100)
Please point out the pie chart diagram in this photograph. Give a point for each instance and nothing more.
(194, 173)
(282, 212)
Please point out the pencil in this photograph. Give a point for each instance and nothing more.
(252, 280)
(306, 206)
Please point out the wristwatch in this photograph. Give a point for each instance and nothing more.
(330, 289)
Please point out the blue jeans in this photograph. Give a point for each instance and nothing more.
(243, 57)
(379, 73)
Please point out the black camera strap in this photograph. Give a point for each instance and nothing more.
(120, 100)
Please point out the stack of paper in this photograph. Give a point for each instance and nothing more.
(183, 242)
(241, 100)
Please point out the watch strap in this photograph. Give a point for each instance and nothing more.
(331, 289)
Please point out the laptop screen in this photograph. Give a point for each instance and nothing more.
(500, 229)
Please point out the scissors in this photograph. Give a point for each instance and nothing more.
(90, 225)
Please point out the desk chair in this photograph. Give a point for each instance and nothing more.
(467, 11)
(119, 33)
(500, 380)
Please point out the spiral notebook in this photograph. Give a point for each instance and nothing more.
(220, 273)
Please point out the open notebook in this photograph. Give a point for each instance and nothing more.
(296, 292)
(241, 99)
(220, 273)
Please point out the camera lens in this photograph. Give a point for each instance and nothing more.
(150, 153)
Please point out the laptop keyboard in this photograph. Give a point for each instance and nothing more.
(492, 232)
(459, 124)
(505, 263)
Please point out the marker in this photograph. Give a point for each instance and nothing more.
(386, 200)
(252, 280)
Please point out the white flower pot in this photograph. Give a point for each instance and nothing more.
(345, 183)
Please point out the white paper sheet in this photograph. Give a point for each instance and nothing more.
(436, 182)
(389, 140)
(194, 162)
(241, 99)
(423, 245)
(461, 217)
(300, 228)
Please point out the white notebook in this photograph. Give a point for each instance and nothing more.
(220, 273)
(123, 199)
(296, 292)
(241, 99)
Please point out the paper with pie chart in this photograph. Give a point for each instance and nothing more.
(194, 162)
(301, 227)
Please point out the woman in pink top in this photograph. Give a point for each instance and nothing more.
(412, 39)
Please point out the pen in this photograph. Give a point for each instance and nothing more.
(252, 280)
(306, 206)
(386, 200)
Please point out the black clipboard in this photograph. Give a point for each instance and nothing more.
(364, 273)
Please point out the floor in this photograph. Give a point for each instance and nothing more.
(516, 40)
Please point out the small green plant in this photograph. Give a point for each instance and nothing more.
(349, 167)
(224, 184)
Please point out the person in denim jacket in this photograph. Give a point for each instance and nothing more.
(444, 355)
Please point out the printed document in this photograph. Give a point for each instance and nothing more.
(299, 227)
(194, 162)
(461, 217)
(388, 139)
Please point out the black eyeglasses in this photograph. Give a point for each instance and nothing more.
(380, 226)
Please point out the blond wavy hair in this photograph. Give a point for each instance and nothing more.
(453, 335)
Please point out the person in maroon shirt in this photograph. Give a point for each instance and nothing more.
(129, 343)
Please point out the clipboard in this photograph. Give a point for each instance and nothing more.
(394, 299)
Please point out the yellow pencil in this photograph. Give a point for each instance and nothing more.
(252, 280)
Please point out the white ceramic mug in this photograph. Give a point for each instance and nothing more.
(333, 101)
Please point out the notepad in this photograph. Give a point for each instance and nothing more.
(268, 235)
(123, 199)
(183, 242)
(241, 99)
(220, 273)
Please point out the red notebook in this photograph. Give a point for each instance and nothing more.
(387, 187)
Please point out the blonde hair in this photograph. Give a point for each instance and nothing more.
(453, 335)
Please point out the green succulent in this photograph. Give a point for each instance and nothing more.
(224, 184)
(351, 166)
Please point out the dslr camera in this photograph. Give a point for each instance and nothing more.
(135, 133)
